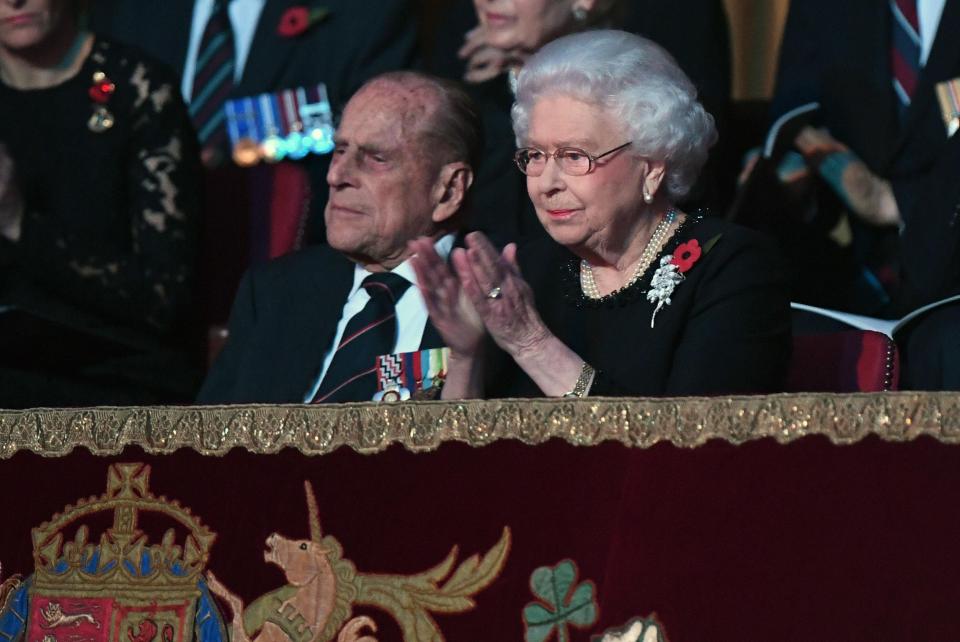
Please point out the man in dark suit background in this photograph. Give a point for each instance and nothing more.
(342, 44)
(884, 144)
(307, 327)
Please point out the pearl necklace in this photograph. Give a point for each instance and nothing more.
(589, 285)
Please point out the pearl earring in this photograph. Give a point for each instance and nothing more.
(647, 197)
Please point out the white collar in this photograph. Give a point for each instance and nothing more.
(443, 246)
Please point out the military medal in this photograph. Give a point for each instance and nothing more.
(948, 94)
(288, 124)
(242, 129)
(403, 374)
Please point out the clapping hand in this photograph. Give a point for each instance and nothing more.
(450, 311)
(484, 61)
(483, 292)
(504, 301)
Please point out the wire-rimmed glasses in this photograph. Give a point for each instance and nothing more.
(572, 161)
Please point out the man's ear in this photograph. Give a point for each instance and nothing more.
(453, 182)
(655, 172)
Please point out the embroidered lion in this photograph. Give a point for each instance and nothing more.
(54, 617)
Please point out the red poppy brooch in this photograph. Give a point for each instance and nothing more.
(671, 271)
(298, 19)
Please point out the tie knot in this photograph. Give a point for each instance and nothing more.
(386, 284)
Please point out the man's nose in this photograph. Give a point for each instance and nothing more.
(342, 170)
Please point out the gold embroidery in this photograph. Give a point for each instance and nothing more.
(424, 426)
(123, 548)
(323, 587)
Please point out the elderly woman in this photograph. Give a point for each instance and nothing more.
(98, 216)
(503, 34)
(629, 296)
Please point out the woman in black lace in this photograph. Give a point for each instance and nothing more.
(630, 296)
(98, 216)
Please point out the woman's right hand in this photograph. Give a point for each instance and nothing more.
(450, 311)
(11, 203)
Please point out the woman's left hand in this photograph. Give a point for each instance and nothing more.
(450, 312)
(501, 297)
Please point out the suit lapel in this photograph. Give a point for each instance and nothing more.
(269, 51)
(331, 277)
(175, 21)
(431, 338)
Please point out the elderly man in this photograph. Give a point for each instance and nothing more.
(310, 327)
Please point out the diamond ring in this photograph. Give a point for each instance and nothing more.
(495, 293)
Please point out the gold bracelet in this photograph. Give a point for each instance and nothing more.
(584, 382)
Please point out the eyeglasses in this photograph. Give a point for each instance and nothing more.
(572, 161)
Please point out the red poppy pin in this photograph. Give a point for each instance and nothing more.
(101, 89)
(298, 19)
(686, 255)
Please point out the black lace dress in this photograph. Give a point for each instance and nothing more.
(101, 278)
(725, 330)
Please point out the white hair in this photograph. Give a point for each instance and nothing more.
(635, 81)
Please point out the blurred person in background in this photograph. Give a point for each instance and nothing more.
(881, 155)
(228, 49)
(98, 216)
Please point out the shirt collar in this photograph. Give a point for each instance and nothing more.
(443, 246)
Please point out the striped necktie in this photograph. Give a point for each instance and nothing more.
(352, 375)
(213, 82)
(905, 47)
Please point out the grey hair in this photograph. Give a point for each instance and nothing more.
(635, 81)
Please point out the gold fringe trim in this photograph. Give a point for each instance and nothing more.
(424, 426)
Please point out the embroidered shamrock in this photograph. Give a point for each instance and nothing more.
(298, 19)
(562, 603)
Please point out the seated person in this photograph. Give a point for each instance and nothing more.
(502, 34)
(629, 295)
(874, 230)
(98, 217)
(309, 327)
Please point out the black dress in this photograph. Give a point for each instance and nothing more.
(101, 277)
(726, 329)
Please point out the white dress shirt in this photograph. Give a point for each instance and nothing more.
(928, 15)
(411, 311)
(244, 16)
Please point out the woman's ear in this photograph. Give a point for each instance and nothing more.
(450, 190)
(654, 177)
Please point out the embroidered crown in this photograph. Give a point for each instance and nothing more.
(122, 560)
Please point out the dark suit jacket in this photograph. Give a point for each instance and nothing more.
(283, 322)
(837, 53)
(356, 41)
